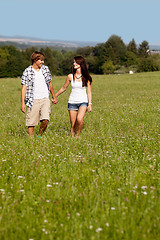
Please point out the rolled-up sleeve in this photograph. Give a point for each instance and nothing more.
(24, 79)
(47, 73)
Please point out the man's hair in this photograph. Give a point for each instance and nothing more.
(36, 56)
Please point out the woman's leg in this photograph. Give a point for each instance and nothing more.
(79, 120)
(73, 116)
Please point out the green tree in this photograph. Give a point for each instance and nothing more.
(143, 49)
(67, 63)
(132, 47)
(99, 54)
(115, 50)
(15, 63)
(92, 63)
(59, 58)
(85, 52)
(131, 59)
(4, 58)
(50, 60)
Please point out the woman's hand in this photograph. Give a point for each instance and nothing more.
(89, 108)
(54, 100)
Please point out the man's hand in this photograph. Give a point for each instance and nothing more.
(23, 108)
(54, 100)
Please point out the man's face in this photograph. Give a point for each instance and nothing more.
(39, 63)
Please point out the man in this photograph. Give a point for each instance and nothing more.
(36, 86)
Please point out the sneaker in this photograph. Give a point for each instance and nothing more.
(39, 136)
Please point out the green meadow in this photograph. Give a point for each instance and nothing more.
(103, 185)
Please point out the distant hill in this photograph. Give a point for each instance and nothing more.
(154, 47)
(24, 42)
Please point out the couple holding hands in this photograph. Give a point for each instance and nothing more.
(36, 87)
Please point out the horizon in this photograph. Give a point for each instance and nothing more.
(36, 40)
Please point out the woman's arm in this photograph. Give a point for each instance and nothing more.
(66, 84)
(89, 92)
(54, 99)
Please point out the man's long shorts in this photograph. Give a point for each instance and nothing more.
(40, 111)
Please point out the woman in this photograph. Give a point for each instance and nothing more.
(79, 99)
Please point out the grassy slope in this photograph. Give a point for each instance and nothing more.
(104, 185)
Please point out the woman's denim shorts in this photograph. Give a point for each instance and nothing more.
(76, 106)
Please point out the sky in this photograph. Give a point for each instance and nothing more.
(84, 20)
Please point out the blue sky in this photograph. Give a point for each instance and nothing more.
(85, 20)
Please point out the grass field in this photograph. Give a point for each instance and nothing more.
(104, 185)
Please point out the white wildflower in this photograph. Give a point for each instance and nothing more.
(144, 187)
(99, 229)
(107, 224)
(112, 208)
(145, 193)
(48, 185)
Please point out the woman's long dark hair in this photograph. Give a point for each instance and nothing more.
(85, 74)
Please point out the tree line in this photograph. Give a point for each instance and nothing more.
(113, 56)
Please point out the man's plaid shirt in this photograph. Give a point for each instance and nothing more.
(28, 80)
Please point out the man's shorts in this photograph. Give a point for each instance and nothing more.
(40, 111)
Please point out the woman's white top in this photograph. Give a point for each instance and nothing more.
(40, 86)
(78, 93)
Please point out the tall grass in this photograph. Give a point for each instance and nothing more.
(104, 185)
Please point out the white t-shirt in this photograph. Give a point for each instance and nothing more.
(78, 93)
(40, 86)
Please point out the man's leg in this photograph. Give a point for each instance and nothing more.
(43, 126)
(44, 115)
(32, 118)
(31, 131)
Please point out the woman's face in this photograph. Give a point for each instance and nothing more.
(76, 65)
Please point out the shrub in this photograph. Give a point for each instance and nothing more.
(148, 65)
(108, 67)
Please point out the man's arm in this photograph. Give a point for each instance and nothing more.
(23, 94)
(54, 99)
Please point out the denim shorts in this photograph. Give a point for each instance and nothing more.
(76, 106)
